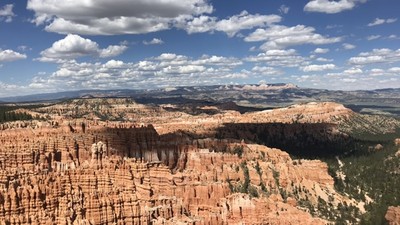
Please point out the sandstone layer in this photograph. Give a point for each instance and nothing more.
(132, 175)
(113, 161)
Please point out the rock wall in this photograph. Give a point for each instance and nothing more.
(63, 148)
(96, 174)
(135, 192)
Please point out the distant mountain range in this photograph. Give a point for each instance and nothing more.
(381, 101)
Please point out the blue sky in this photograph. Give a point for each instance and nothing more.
(50, 45)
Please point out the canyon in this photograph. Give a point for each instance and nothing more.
(83, 164)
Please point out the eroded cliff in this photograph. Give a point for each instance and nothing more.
(101, 174)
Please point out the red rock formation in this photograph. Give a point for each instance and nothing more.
(104, 175)
(92, 171)
(393, 215)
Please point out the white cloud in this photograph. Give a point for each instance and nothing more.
(376, 22)
(391, 20)
(184, 69)
(245, 21)
(231, 26)
(379, 21)
(253, 49)
(154, 41)
(349, 80)
(114, 64)
(330, 6)
(282, 58)
(111, 51)
(373, 37)
(394, 70)
(218, 61)
(376, 72)
(74, 46)
(199, 24)
(278, 36)
(266, 70)
(317, 68)
(321, 59)
(10, 55)
(321, 50)
(353, 70)
(284, 9)
(6, 13)
(24, 48)
(113, 17)
(167, 69)
(348, 46)
(382, 55)
(170, 57)
(353, 78)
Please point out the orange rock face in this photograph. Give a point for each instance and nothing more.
(132, 175)
(92, 171)
(393, 215)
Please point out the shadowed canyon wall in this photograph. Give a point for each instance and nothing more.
(85, 174)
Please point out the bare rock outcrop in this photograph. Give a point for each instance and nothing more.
(397, 141)
(393, 215)
(80, 168)
(132, 175)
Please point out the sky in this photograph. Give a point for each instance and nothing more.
(52, 46)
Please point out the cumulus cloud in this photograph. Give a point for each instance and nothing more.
(394, 70)
(321, 50)
(317, 68)
(266, 70)
(348, 46)
(279, 36)
(353, 70)
(167, 69)
(6, 13)
(111, 51)
(101, 17)
(10, 55)
(214, 60)
(282, 58)
(154, 41)
(183, 69)
(330, 6)
(376, 72)
(139, 17)
(321, 59)
(383, 55)
(379, 21)
(231, 26)
(245, 20)
(74, 46)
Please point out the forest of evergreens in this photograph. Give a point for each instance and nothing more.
(8, 114)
